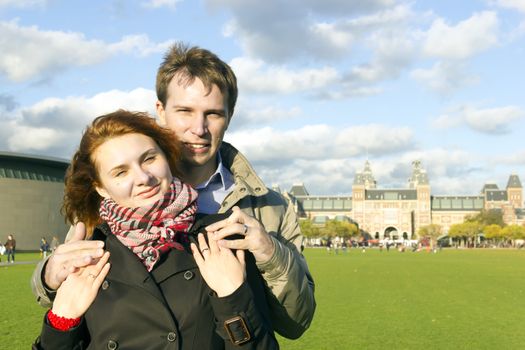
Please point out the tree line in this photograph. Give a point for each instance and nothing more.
(487, 223)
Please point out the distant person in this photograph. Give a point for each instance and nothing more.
(10, 248)
(2, 251)
(54, 244)
(44, 248)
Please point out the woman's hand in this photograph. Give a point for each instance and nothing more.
(80, 288)
(223, 271)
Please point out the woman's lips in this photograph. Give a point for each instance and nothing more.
(150, 192)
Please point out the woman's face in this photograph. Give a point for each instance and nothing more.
(133, 170)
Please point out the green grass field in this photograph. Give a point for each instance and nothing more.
(455, 299)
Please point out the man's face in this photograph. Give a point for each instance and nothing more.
(199, 119)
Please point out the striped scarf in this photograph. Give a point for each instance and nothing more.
(153, 230)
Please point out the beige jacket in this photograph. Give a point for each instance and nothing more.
(291, 287)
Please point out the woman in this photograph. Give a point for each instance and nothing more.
(156, 295)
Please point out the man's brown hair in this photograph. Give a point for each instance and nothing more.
(188, 63)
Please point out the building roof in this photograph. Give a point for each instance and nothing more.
(391, 194)
(419, 175)
(489, 186)
(298, 190)
(514, 181)
(365, 177)
(30, 167)
(496, 195)
(459, 203)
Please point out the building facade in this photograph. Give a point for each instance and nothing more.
(399, 213)
(31, 190)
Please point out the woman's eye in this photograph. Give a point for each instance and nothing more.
(120, 173)
(149, 159)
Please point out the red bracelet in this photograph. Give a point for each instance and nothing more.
(62, 323)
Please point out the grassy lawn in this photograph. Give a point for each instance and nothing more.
(456, 299)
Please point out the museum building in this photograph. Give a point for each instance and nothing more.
(399, 213)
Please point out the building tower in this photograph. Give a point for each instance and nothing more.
(515, 192)
(362, 181)
(419, 182)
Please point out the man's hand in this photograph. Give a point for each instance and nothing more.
(256, 239)
(71, 256)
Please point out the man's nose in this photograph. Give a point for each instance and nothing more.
(199, 125)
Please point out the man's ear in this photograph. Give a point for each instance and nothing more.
(161, 113)
(102, 192)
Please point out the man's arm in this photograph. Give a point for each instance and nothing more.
(68, 257)
(292, 301)
(278, 257)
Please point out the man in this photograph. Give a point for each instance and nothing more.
(10, 248)
(196, 94)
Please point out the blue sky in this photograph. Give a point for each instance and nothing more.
(324, 84)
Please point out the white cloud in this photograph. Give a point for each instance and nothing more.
(53, 126)
(447, 170)
(139, 44)
(23, 3)
(253, 113)
(279, 32)
(320, 142)
(29, 52)
(512, 4)
(444, 77)
(155, 4)
(469, 37)
(446, 121)
(254, 76)
(492, 120)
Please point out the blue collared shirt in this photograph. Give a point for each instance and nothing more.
(213, 191)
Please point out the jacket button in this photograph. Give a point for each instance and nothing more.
(112, 345)
(105, 285)
(172, 336)
(243, 189)
(257, 189)
(188, 275)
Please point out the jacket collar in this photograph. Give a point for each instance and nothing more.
(247, 183)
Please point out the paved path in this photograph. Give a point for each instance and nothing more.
(4, 263)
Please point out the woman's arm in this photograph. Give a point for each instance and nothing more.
(74, 297)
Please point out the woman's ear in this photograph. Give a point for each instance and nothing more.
(102, 192)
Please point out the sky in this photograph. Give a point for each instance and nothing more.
(324, 85)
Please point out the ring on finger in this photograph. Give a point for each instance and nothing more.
(245, 229)
(92, 276)
(204, 249)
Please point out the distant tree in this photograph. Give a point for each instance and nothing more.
(487, 217)
(493, 232)
(334, 228)
(467, 230)
(513, 232)
(308, 229)
(432, 231)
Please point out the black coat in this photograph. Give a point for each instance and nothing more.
(169, 308)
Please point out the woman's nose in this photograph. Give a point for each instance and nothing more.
(142, 176)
